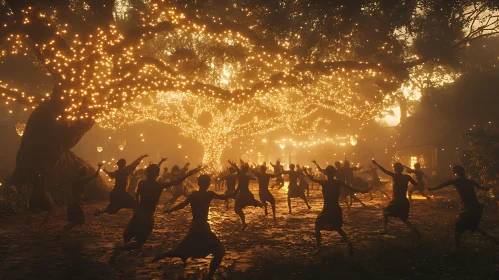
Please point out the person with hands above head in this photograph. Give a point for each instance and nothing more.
(471, 210)
(399, 206)
(200, 241)
(278, 169)
(420, 187)
(119, 198)
(263, 187)
(244, 197)
(75, 212)
(331, 216)
(142, 222)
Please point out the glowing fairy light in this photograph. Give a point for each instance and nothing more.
(20, 127)
(100, 149)
(282, 146)
(121, 144)
(179, 146)
(353, 140)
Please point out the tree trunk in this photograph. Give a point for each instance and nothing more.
(45, 147)
(212, 156)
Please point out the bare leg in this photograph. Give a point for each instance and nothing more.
(308, 193)
(227, 203)
(347, 241)
(488, 236)
(353, 197)
(410, 195)
(289, 204)
(215, 262)
(273, 210)
(265, 206)
(306, 202)
(346, 202)
(412, 228)
(169, 254)
(318, 240)
(239, 211)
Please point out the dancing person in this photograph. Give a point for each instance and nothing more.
(179, 189)
(142, 222)
(375, 184)
(119, 198)
(278, 169)
(399, 205)
(294, 191)
(263, 188)
(244, 196)
(165, 175)
(420, 187)
(340, 176)
(471, 210)
(350, 179)
(200, 241)
(302, 182)
(75, 212)
(39, 199)
(230, 180)
(331, 216)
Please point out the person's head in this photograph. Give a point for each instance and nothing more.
(398, 167)
(165, 170)
(232, 170)
(298, 167)
(330, 171)
(337, 164)
(121, 163)
(292, 166)
(204, 182)
(82, 171)
(278, 162)
(417, 166)
(152, 172)
(458, 171)
(263, 168)
(175, 168)
(244, 167)
(347, 163)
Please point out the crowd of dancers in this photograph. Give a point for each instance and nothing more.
(141, 190)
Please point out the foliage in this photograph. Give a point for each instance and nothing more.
(481, 158)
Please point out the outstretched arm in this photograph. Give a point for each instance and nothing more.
(110, 174)
(445, 184)
(90, 178)
(136, 163)
(181, 179)
(414, 183)
(255, 172)
(180, 205)
(408, 169)
(161, 161)
(383, 169)
(318, 167)
(345, 185)
(311, 177)
(235, 166)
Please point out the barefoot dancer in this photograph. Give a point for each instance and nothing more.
(303, 184)
(340, 176)
(263, 188)
(399, 205)
(471, 210)
(244, 196)
(119, 198)
(200, 241)
(148, 193)
(278, 169)
(75, 212)
(230, 181)
(420, 187)
(39, 199)
(375, 184)
(293, 189)
(331, 217)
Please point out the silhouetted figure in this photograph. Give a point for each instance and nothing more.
(263, 188)
(340, 176)
(75, 212)
(294, 190)
(244, 196)
(135, 178)
(420, 187)
(471, 210)
(399, 205)
(39, 199)
(179, 189)
(278, 169)
(165, 175)
(119, 197)
(302, 183)
(331, 216)
(200, 241)
(230, 181)
(148, 193)
(375, 184)
(350, 179)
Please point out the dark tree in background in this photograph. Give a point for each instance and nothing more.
(98, 56)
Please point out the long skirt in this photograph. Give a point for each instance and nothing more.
(120, 200)
(39, 202)
(75, 213)
(266, 196)
(469, 218)
(140, 226)
(295, 191)
(398, 208)
(199, 242)
(330, 219)
(245, 199)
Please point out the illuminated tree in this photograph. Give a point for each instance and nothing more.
(344, 56)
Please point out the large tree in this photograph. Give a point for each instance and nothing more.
(346, 56)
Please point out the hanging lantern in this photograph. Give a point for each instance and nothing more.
(20, 129)
(100, 149)
(353, 140)
(282, 145)
(121, 144)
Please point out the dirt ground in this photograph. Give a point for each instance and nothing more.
(264, 250)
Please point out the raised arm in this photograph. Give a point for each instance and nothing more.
(110, 174)
(90, 178)
(235, 166)
(181, 179)
(180, 205)
(273, 165)
(136, 163)
(318, 167)
(443, 185)
(161, 161)
(311, 177)
(383, 169)
(255, 172)
(408, 169)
